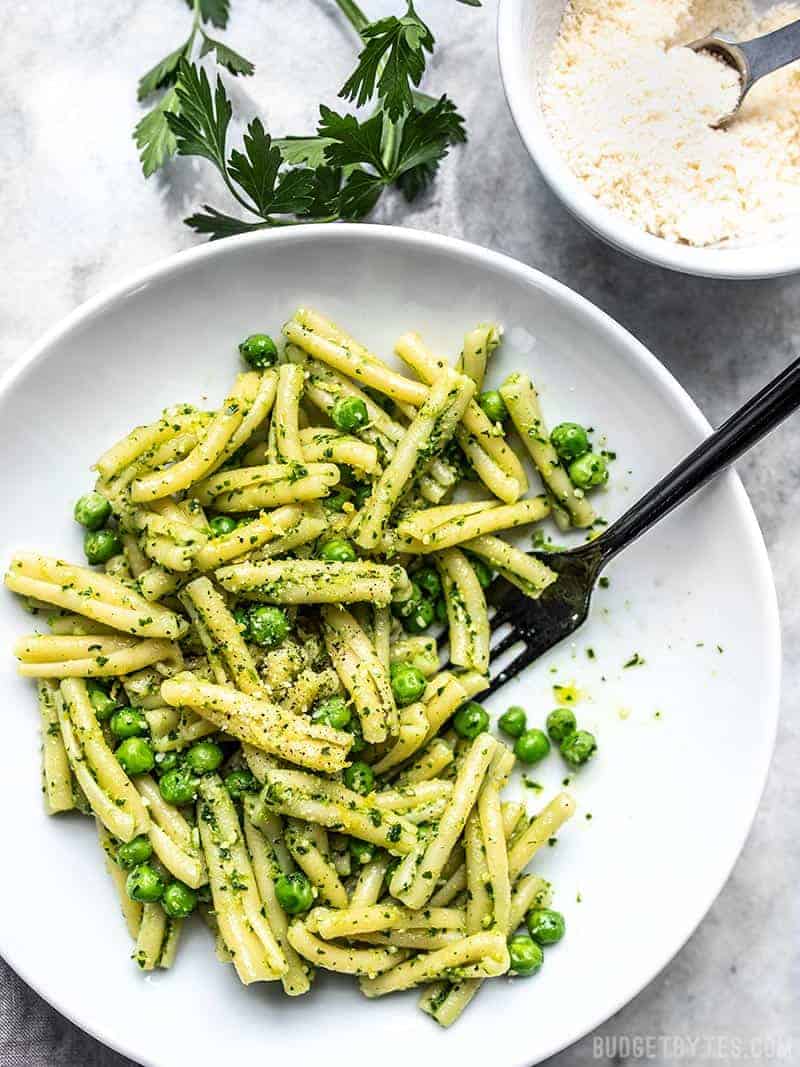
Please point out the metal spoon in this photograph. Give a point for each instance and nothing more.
(754, 59)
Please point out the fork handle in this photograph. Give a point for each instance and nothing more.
(740, 432)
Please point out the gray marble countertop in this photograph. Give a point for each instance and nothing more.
(78, 217)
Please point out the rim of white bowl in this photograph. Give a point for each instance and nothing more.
(735, 264)
(469, 251)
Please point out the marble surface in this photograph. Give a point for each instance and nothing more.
(78, 217)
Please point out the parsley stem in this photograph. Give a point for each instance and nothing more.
(390, 143)
(353, 13)
(239, 199)
(196, 16)
(273, 221)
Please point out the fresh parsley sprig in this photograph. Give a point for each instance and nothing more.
(341, 171)
(153, 136)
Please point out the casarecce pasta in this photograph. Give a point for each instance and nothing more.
(242, 690)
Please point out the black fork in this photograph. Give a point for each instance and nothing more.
(540, 624)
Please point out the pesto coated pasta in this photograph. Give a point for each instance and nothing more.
(241, 687)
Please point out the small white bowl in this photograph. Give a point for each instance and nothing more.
(527, 30)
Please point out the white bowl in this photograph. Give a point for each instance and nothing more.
(527, 30)
(674, 787)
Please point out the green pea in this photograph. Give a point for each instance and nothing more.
(240, 782)
(259, 351)
(526, 956)
(440, 610)
(421, 618)
(204, 757)
(579, 747)
(268, 626)
(513, 721)
(102, 703)
(242, 618)
(145, 884)
(361, 851)
(178, 787)
(483, 572)
(294, 892)
(470, 720)
(349, 413)
(179, 900)
(166, 761)
(100, 545)
(493, 405)
(129, 722)
(401, 609)
(338, 550)
(560, 724)
(134, 852)
(135, 756)
(532, 746)
(222, 524)
(333, 712)
(588, 471)
(408, 683)
(427, 578)
(92, 511)
(545, 926)
(359, 777)
(570, 441)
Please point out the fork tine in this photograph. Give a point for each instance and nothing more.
(513, 637)
(526, 657)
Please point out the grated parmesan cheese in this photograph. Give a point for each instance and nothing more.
(630, 110)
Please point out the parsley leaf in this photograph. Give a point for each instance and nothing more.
(201, 127)
(164, 73)
(214, 11)
(310, 150)
(351, 141)
(256, 171)
(416, 179)
(217, 225)
(154, 139)
(226, 57)
(393, 55)
(360, 194)
(427, 135)
(295, 192)
(325, 201)
(338, 173)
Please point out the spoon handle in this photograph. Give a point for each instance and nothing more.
(740, 432)
(771, 52)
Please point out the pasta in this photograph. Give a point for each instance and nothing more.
(260, 723)
(56, 774)
(522, 401)
(466, 611)
(494, 462)
(243, 691)
(310, 581)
